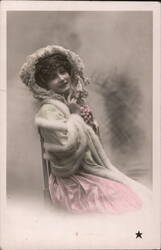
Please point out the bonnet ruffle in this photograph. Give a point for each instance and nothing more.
(27, 72)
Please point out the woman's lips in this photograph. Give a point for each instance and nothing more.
(65, 84)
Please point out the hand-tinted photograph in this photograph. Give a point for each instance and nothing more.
(79, 130)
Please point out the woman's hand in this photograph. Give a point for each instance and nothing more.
(86, 113)
(74, 108)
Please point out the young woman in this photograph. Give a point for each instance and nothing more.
(82, 177)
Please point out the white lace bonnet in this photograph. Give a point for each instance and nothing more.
(27, 72)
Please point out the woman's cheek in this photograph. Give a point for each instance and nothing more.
(54, 85)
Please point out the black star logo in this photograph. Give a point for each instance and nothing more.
(138, 234)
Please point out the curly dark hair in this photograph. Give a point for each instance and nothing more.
(46, 67)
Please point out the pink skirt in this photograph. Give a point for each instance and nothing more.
(89, 193)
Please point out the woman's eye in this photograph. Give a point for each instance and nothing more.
(62, 71)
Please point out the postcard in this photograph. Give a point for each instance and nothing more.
(80, 125)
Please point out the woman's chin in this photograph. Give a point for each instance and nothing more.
(64, 90)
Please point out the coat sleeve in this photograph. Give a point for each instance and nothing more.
(65, 140)
(58, 129)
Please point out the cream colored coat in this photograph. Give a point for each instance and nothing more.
(72, 146)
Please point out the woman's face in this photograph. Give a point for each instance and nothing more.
(61, 81)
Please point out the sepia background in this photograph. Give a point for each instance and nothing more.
(116, 48)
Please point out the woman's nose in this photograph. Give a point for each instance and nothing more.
(61, 77)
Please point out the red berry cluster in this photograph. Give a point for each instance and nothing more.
(86, 114)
